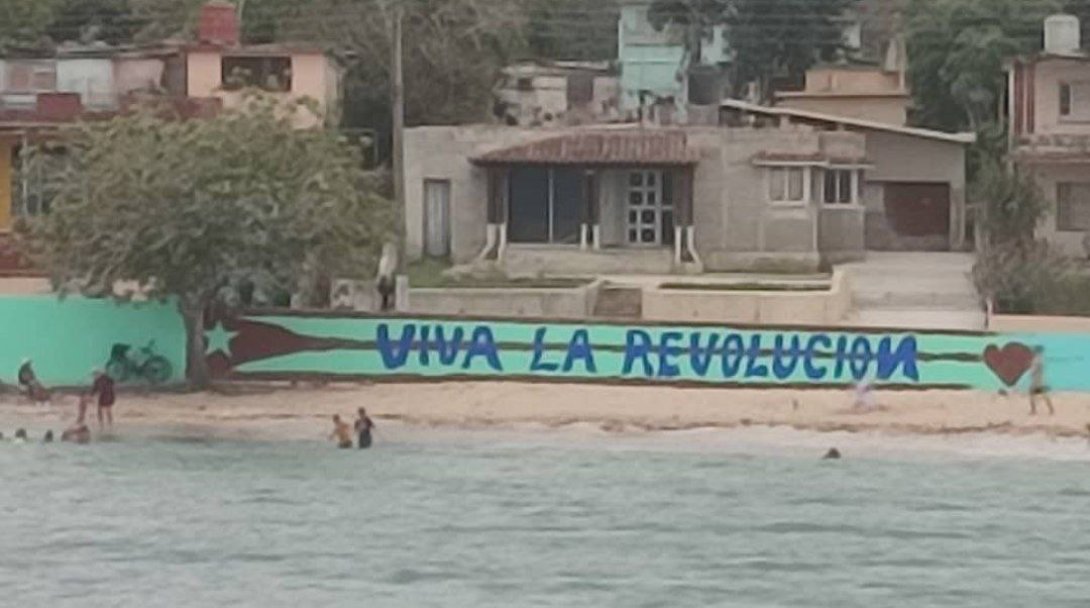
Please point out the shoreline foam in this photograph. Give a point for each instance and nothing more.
(276, 411)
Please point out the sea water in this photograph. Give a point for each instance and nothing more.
(532, 519)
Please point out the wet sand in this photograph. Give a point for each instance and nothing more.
(278, 410)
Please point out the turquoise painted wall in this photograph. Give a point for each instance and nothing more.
(68, 338)
(651, 61)
(276, 345)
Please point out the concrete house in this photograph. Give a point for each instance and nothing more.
(773, 188)
(634, 199)
(1048, 119)
(913, 194)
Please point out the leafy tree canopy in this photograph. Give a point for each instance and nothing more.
(770, 38)
(956, 50)
(188, 209)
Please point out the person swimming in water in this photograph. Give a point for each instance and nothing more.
(48, 438)
(342, 433)
(78, 433)
(20, 436)
(832, 454)
(364, 424)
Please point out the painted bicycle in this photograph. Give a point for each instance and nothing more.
(145, 365)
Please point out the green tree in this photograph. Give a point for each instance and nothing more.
(572, 29)
(770, 39)
(187, 209)
(956, 50)
(23, 22)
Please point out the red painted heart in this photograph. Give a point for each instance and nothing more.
(1010, 362)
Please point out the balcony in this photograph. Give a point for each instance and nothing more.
(1053, 148)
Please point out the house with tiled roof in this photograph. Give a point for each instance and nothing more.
(631, 198)
(768, 188)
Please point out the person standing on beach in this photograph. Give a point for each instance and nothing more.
(364, 424)
(1037, 386)
(341, 432)
(103, 387)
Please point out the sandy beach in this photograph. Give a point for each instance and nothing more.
(257, 410)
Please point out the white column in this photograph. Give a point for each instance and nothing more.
(401, 293)
(678, 232)
(503, 242)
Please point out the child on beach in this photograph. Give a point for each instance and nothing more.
(341, 432)
(1037, 387)
(28, 380)
(103, 387)
(864, 396)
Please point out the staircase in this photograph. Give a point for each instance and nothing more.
(619, 303)
(915, 291)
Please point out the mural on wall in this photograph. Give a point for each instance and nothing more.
(345, 346)
(66, 339)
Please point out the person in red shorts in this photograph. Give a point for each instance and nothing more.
(103, 388)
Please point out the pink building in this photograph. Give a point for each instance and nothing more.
(1048, 117)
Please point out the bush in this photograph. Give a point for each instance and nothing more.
(1033, 279)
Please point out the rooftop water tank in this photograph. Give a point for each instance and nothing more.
(1062, 35)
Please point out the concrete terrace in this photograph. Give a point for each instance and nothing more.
(915, 291)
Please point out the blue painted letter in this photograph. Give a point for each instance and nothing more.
(579, 349)
(668, 351)
(394, 356)
(448, 352)
(536, 365)
(700, 358)
(814, 371)
(904, 357)
(780, 369)
(484, 345)
(733, 353)
(637, 346)
(755, 369)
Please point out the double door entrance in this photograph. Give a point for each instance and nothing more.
(649, 209)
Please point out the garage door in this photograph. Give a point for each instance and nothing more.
(914, 217)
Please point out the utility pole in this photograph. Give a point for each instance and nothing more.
(398, 106)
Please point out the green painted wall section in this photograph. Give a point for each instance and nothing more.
(277, 345)
(67, 339)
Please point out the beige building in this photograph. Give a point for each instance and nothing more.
(544, 94)
(866, 92)
(855, 92)
(1049, 123)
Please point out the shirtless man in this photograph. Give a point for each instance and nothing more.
(341, 432)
